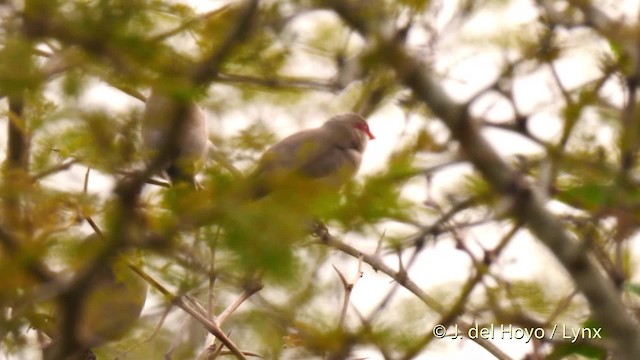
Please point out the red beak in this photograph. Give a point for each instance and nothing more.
(364, 127)
(371, 137)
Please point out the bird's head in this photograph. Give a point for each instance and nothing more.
(352, 125)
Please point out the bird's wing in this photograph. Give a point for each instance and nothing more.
(332, 161)
(311, 153)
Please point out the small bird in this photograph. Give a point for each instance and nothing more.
(192, 143)
(107, 310)
(295, 184)
(113, 306)
(325, 157)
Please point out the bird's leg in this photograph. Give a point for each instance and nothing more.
(319, 230)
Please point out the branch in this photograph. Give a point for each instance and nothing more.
(212, 351)
(236, 304)
(188, 23)
(348, 289)
(17, 163)
(223, 161)
(65, 165)
(528, 205)
(178, 301)
(405, 281)
(207, 68)
(17, 167)
(458, 305)
(203, 72)
(279, 82)
(18, 142)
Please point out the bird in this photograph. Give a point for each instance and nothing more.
(108, 309)
(295, 184)
(192, 142)
(325, 157)
(113, 305)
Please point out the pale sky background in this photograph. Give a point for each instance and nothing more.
(441, 266)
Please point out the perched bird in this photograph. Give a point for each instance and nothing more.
(107, 309)
(113, 306)
(325, 157)
(295, 184)
(191, 144)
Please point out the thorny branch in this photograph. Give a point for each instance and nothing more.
(528, 203)
(405, 281)
(180, 302)
(458, 306)
(348, 289)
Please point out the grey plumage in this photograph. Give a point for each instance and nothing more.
(327, 156)
(109, 306)
(160, 112)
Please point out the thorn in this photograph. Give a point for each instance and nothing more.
(342, 278)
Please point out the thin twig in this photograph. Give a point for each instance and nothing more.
(65, 165)
(207, 68)
(458, 306)
(561, 306)
(212, 351)
(224, 162)
(178, 301)
(406, 282)
(197, 313)
(189, 23)
(176, 340)
(279, 82)
(247, 293)
(527, 203)
(348, 289)
(151, 181)
(212, 272)
(155, 332)
(402, 272)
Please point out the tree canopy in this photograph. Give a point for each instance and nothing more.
(503, 128)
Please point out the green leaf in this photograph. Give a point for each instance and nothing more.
(633, 288)
(587, 196)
